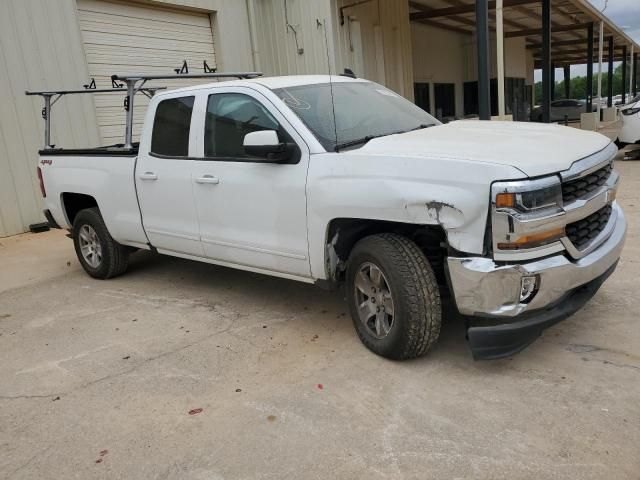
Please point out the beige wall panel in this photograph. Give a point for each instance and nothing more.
(376, 39)
(280, 47)
(385, 40)
(440, 56)
(396, 35)
(443, 56)
(40, 47)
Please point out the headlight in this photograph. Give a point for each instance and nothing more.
(528, 196)
(525, 203)
(630, 111)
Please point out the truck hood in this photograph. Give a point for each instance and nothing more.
(533, 148)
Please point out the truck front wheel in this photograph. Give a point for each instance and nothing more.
(99, 254)
(393, 296)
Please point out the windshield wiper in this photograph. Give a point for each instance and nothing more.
(358, 141)
(421, 126)
(364, 140)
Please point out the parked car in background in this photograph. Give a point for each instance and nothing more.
(561, 108)
(635, 99)
(630, 131)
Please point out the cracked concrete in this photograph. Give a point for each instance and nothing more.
(97, 380)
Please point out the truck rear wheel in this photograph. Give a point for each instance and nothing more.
(393, 297)
(99, 254)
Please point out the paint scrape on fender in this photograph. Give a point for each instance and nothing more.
(445, 214)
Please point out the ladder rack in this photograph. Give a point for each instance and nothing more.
(133, 80)
(134, 84)
(52, 96)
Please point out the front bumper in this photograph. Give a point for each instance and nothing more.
(482, 287)
(630, 130)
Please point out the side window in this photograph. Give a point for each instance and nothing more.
(171, 127)
(230, 116)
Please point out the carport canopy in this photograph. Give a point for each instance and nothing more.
(570, 22)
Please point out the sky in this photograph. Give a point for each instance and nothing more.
(624, 13)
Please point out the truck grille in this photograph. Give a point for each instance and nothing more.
(574, 189)
(582, 232)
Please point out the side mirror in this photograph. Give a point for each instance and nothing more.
(266, 144)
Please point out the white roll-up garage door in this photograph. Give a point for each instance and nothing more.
(138, 38)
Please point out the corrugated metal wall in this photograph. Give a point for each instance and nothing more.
(291, 36)
(286, 26)
(40, 47)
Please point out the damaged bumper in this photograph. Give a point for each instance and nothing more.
(490, 293)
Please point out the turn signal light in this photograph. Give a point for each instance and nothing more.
(505, 200)
(533, 240)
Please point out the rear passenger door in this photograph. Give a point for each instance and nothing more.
(252, 213)
(163, 177)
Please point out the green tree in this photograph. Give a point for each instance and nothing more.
(579, 86)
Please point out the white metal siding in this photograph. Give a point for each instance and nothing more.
(40, 47)
(130, 38)
(279, 43)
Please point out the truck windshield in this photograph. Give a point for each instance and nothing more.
(363, 111)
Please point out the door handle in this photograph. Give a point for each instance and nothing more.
(148, 176)
(208, 179)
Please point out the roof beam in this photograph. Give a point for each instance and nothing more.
(566, 52)
(537, 16)
(561, 43)
(457, 18)
(588, 9)
(538, 31)
(445, 26)
(468, 21)
(537, 47)
(559, 62)
(462, 9)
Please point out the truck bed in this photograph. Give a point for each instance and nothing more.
(104, 174)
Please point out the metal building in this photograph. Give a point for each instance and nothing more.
(455, 58)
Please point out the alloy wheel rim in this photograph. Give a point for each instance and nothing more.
(374, 300)
(90, 246)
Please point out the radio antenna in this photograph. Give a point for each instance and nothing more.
(333, 104)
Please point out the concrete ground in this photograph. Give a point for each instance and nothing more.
(181, 370)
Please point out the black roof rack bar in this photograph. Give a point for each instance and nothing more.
(136, 81)
(87, 90)
(240, 75)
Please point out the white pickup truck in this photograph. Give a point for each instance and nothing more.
(344, 182)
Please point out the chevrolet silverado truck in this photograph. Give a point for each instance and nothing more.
(341, 182)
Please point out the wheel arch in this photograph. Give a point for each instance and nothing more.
(73, 202)
(342, 234)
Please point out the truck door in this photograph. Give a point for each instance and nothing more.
(252, 213)
(163, 177)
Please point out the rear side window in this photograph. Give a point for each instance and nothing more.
(171, 127)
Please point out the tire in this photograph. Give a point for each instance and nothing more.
(415, 304)
(109, 258)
